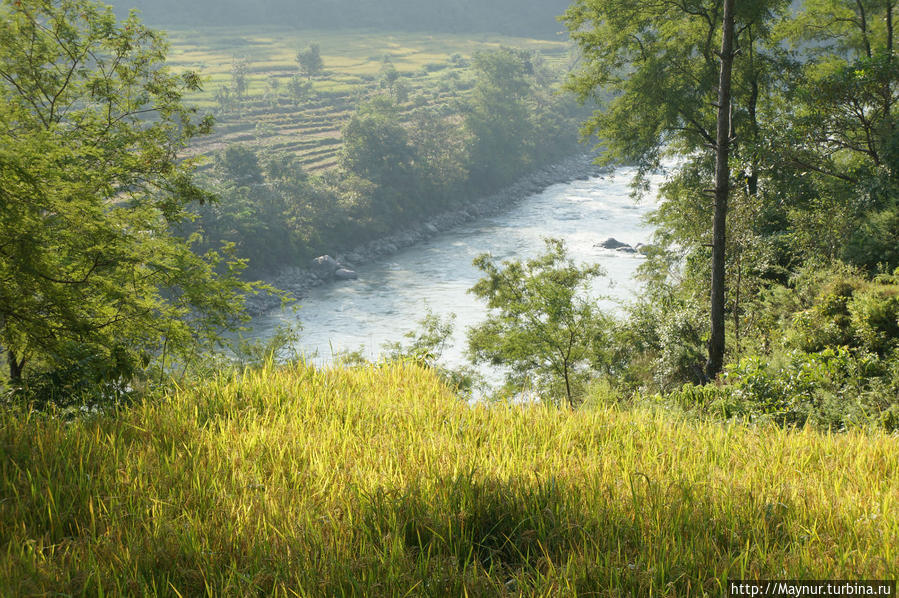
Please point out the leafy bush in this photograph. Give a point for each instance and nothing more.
(835, 388)
(850, 311)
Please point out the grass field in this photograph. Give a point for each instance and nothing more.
(376, 481)
(352, 63)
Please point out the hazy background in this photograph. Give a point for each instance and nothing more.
(536, 18)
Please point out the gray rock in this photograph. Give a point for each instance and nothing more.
(626, 249)
(325, 264)
(344, 274)
(611, 243)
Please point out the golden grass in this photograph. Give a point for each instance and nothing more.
(377, 481)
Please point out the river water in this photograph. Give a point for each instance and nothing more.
(394, 293)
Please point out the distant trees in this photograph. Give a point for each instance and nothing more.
(397, 165)
(310, 61)
(299, 90)
(95, 286)
(498, 118)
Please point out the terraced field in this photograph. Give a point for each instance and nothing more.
(433, 69)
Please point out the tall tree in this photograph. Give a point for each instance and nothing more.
(376, 147)
(662, 74)
(722, 192)
(90, 183)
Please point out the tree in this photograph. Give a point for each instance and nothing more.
(723, 134)
(665, 86)
(376, 147)
(299, 90)
(310, 61)
(539, 323)
(439, 148)
(240, 68)
(836, 140)
(94, 282)
(498, 117)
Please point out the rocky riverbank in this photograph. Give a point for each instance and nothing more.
(297, 280)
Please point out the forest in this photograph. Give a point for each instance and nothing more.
(163, 171)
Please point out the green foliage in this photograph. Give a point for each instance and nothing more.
(540, 325)
(850, 311)
(376, 147)
(660, 343)
(310, 60)
(94, 281)
(255, 198)
(833, 388)
(498, 118)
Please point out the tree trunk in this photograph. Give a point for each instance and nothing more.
(15, 367)
(722, 190)
(890, 30)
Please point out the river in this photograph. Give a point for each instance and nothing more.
(394, 293)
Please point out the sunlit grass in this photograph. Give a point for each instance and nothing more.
(377, 481)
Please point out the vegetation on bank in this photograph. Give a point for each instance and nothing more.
(378, 481)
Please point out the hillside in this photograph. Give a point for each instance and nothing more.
(432, 68)
(376, 481)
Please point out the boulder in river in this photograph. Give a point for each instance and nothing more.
(626, 249)
(325, 265)
(345, 274)
(611, 243)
